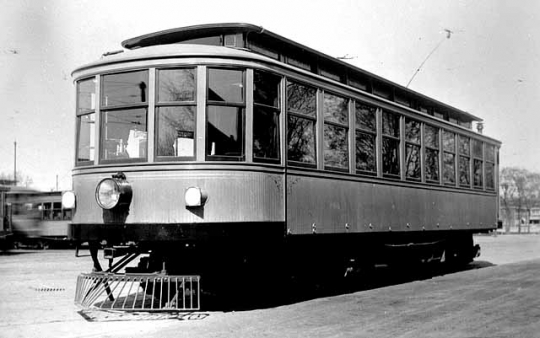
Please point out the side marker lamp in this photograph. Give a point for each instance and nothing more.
(112, 192)
(195, 197)
(68, 200)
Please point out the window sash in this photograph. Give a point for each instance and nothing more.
(478, 173)
(432, 169)
(225, 140)
(266, 134)
(449, 168)
(301, 143)
(464, 171)
(124, 135)
(176, 85)
(390, 156)
(413, 166)
(366, 156)
(86, 139)
(86, 96)
(336, 148)
(366, 116)
(175, 132)
(124, 89)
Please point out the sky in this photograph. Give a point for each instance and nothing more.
(490, 66)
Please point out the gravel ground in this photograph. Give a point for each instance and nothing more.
(497, 297)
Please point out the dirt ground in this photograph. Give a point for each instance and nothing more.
(497, 297)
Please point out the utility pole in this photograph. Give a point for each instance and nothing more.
(15, 163)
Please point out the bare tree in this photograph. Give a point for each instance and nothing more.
(519, 191)
(22, 179)
(531, 192)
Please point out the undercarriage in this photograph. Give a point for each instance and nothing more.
(175, 276)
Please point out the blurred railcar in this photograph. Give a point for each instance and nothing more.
(5, 231)
(224, 148)
(36, 219)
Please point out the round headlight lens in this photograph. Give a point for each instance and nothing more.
(68, 200)
(107, 193)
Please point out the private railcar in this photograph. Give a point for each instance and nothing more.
(225, 148)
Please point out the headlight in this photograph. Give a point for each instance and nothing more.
(114, 192)
(68, 200)
(107, 193)
(195, 197)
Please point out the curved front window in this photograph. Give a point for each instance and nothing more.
(86, 121)
(266, 109)
(176, 109)
(225, 115)
(124, 117)
(123, 134)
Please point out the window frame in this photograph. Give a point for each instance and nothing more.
(492, 163)
(419, 146)
(187, 103)
(359, 129)
(298, 115)
(239, 105)
(343, 126)
(128, 107)
(276, 110)
(95, 113)
(393, 139)
(464, 156)
(427, 147)
(455, 155)
(477, 158)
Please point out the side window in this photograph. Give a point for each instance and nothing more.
(86, 121)
(47, 211)
(175, 113)
(57, 211)
(225, 131)
(124, 116)
(266, 110)
(336, 131)
(490, 167)
(413, 145)
(301, 120)
(366, 137)
(478, 163)
(432, 146)
(390, 144)
(464, 161)
(67, 214)
(449, 158)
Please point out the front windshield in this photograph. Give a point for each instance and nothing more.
(117, 131)
(124, 116)
(124, 134)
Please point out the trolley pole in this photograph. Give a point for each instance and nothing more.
(448, 35)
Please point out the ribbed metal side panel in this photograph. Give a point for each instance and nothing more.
(158, 197)
(339, 206)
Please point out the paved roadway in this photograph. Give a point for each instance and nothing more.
(499, 297)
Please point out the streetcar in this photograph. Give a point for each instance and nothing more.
(5, 231)
(35, 219)
(220, 152)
